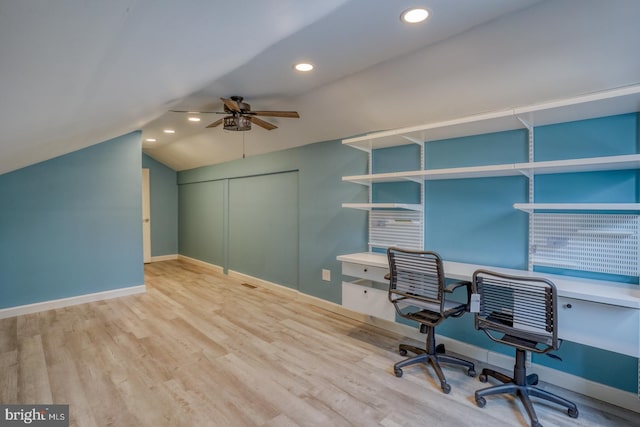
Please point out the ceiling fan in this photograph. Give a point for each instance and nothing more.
(240, 117)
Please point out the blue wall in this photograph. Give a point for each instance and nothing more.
(463, 215)
(163, 183)
(72, 225)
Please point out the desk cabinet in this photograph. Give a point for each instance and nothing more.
(599, 314)
(610, 327)
(368, 293)
(364, 271)
(363, 297)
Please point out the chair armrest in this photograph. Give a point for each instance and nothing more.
(455, 285)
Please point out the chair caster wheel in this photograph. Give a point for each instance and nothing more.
(573, 413)
(440, 349)
(483, 378)
(402, 352)
(471, 373)
(446, 388)
(398, 372)
(481, 401)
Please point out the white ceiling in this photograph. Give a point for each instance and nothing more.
(74, 73)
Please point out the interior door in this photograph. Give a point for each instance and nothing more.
(146, 217)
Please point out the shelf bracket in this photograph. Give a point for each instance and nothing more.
(418, 180)
(411, 139)
(529, 174)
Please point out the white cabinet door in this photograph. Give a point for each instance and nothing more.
(366, 299)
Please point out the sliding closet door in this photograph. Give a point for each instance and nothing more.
(201, 221)
(263, 227)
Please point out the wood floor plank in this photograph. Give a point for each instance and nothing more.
(33, 376)
(201, 349)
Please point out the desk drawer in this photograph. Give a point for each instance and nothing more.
(365, 271)
(364, 298)
(609, 327)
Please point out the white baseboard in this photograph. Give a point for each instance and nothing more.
(164, 258)
(204, 264)
(605, 393)
(261, 282)
(66, 302)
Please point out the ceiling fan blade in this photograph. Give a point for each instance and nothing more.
(193, 112)
(231, 104)
(261, 123)
(216, 123)
(290, 114)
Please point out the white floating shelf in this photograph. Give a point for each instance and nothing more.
(466, 126)
(599, 104)
(385, 177)
(627, 161)
(591, 164)
(370, 206)
(487, 171)
(530, 207)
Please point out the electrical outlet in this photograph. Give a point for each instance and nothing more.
(326, 275)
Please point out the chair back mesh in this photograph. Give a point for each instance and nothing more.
(521, 309)
(416, 275)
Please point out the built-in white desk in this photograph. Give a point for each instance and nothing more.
(600, 314)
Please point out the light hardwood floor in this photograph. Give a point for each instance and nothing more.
(201, 349)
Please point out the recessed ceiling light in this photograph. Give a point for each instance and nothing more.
(169, 131)
(194, 119)
(151, 140)
(303, 66)
(413, 16)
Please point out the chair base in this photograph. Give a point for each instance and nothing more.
(433, 355)
(523, 386)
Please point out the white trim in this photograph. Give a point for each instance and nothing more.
(164, 258)
(261, 282)
(66, 302)
(217, 268)
(565, 380)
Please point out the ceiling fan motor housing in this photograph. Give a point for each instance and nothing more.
(237, 122)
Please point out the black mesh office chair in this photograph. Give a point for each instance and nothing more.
(520, 312)
(417, 291)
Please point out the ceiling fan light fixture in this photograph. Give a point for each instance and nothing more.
(414, 15)
(237, 123)
(303, 67)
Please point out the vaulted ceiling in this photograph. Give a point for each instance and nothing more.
(74, 73)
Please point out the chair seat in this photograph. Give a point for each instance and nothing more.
(449, 306)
